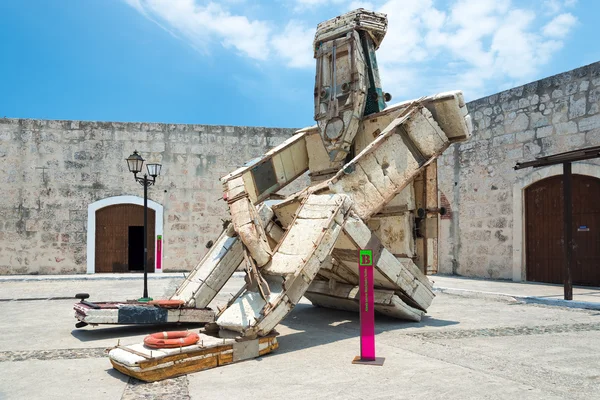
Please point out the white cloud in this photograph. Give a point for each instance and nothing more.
(469, 46)
(294, 44)
(312, 5)
(476, 46)
(361, 4)
(560, 26)
(203, 24)
(552, 6)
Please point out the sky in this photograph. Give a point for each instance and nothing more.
(245, 62)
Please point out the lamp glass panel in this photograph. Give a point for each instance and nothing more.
(135, 163)
(153, 169)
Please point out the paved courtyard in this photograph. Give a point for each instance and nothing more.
(468, 347)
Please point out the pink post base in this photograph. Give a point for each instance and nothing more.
(367, 318)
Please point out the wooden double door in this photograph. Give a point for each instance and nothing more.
(120, 238)
(544, 231)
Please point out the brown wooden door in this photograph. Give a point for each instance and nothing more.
(544, 231)
(112, 236)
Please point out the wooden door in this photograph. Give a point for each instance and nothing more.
(112, 236)
(544, 231)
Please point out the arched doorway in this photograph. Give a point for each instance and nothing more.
(98, 250)
(544, 230)
(120, 238)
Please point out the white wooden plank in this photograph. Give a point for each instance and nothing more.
(400, 310)
(211, 273)
(265, 213)
(320, 213)
(346, 297)
(358, 231)
(405, 198)
(398, 274)
(250, 186)
(357, 186)
(342, 271)
(395, 232)
(285, 212)
(279, 169)
(283, 264)
(401, 163)
(273, 318)
(319, 159)
(303, 237)
(299, 158)
(343, 242)
(243, 312)
(411, 267)
(324, 248)
(377, 176)
(274, 231)
(288, 163)
(425, 133)
(240, 212)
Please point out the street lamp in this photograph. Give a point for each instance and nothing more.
(135, 162)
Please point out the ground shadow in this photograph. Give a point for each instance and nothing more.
(318, 326)
(116, 374)
(314, 326)
(89, 334)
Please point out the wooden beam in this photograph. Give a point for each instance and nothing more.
(568, 228)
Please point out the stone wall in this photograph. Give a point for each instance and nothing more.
(477, 180)
(52, 171)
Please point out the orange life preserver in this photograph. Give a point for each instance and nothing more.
(167, 340)
(167, 303)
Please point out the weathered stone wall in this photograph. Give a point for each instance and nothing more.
(476, 178)
(52, 171)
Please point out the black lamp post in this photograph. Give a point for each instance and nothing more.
(135, 163)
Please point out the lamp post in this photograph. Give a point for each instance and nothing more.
(135, 162)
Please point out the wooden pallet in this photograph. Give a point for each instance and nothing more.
(152, 365)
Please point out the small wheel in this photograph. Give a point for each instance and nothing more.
(80, 324)
(82, 296)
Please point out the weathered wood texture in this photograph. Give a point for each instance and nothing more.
(212, 272)
(287, 162)
(152, 365)
(340, 93)
(401, 275)
(245, 219)
(305, 247)
(141, 314)
(346, 297)
(387, 165)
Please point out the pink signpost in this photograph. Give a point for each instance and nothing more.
(367, 311)
(159, 252)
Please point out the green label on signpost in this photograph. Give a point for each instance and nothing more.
(365, 258)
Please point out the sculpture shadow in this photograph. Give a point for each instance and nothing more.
(118, 375)
(318, 326)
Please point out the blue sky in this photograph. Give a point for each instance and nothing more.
(243, 62)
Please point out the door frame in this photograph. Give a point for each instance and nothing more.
(518, 227)
(111, 201)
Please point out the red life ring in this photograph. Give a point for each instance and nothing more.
(167, 303)
(167, 340)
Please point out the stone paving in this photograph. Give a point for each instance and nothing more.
(466, 348)
(169, 389)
